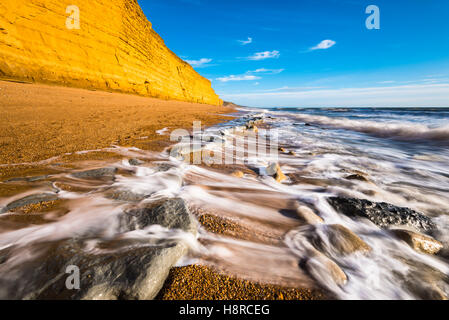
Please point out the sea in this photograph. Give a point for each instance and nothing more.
(399, 156)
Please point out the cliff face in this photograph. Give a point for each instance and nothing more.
(114, 49)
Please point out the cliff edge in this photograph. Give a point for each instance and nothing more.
(107, 45)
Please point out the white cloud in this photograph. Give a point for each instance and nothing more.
(267, 71)
(265, 55)
(199, 63)
(238, 78)
(420, 95)
(245, 42)
(325, 44)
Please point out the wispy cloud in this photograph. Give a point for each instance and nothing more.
(267, 71)
(203, 62)
(325, 44)
(419, 95)
(245, 77)
(245, 42)
(265, 55)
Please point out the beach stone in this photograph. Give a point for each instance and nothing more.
(322, 268)
(165, 166)
(419, 242)
(31, 199)
(96, 173)
(275, 171)
(127, 269)
(357, 176)
(382, 214)
(345, 241)
(307, 214)
(28, 179)
(238, 174)
(180, 150)
(171, 214)
(135, 162)
(125, 195)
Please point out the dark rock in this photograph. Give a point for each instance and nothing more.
(124, 269)
(163, 167)
(135, 162)
(357, 176)
(382, 214)
(32, 199)
(101, 173)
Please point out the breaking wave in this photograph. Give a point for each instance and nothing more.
(398, 131)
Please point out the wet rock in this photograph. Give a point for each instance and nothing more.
(28, 179)
(307, 214)
(101, 173)
(163, 167)
(32, 199)
(180, 151)
(238, 174)
(324, 269)
(135, 162)
(419, 242)
(381, 213)
(275, 171)
(125, 195)
(357, 176)
(171, 214)
(345, 241)
(122, 269)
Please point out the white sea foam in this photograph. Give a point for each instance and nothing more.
(400, 131)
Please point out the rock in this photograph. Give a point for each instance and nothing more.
(135, 162)
(171, 214)
(165, 166)
(126, 269)
(238, 174)
(32, 199)
(382, 214)
(324, 269)
(419, 242)
(281, 149)
(125, 195)
(102, 173)
(275, 171)
(307, 214)
(29, 179)
(292, 153)
(345, 241)
(357, 177)
(280, 176)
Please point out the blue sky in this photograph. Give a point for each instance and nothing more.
(311, 53)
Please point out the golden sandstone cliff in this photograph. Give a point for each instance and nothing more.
(111, 47)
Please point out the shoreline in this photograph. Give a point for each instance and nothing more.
(42, 122)
(66, 115)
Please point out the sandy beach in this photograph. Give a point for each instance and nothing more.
(40, 121)
(54, 123)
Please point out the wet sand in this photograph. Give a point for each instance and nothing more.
(41, 122)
